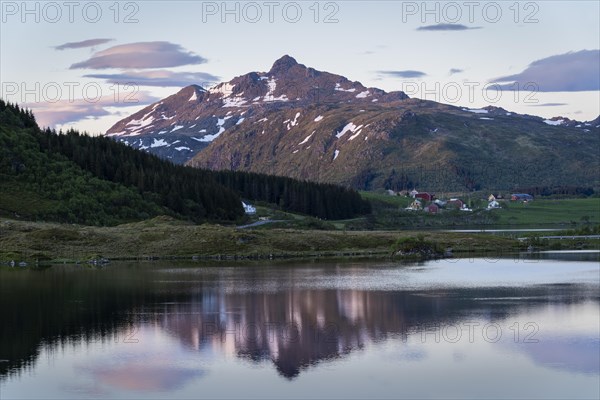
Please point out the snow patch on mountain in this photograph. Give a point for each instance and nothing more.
(476, 110)
(236, 101)
(135, 126)
(220, 123)
(210, 138)
(116, 133)
(350, 127)
(295, 121)
(292, 123)
(306, 138)
(270, 96)
(272, 85)
(159, 143)
(359, 130)
(554, 123)
(225, 89)
(339, 88)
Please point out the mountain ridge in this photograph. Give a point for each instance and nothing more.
(299, 122)
(190, 119)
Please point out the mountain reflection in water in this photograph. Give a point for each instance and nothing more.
(295, 317)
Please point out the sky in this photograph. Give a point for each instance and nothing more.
(89, 64)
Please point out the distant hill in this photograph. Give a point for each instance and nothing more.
(299, 122)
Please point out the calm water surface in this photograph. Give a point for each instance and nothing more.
(467, 328)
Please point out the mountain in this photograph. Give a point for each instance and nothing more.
(188, 121)
(299, 122)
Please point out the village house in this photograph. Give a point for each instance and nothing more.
(455, 203)
(521, 197)
(427, 197)
(432, 208)
(415, 206)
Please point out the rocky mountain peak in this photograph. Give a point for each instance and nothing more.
(283, 65)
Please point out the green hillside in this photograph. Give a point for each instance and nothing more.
(411, 143)
(47, 186)
(75, 178)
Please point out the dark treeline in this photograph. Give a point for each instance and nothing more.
(193, 193)
(48, 186)
(108, 159)
(556, 190)
(189, 192)
(33, 157)
(317, 199)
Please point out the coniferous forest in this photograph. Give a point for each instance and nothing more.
(76, 178)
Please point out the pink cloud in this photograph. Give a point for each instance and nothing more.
(51, 114)
(141, 55)
(141, 376)
(159, 78)
(82, 44)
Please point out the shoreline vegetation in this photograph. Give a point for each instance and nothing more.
(169, 239)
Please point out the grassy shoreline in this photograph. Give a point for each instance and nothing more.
(166, 238)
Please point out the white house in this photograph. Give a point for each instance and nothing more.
(249, 209)
(493, 204)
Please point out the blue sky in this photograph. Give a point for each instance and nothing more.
(63, 61)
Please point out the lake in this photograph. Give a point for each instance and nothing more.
(520, 327)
